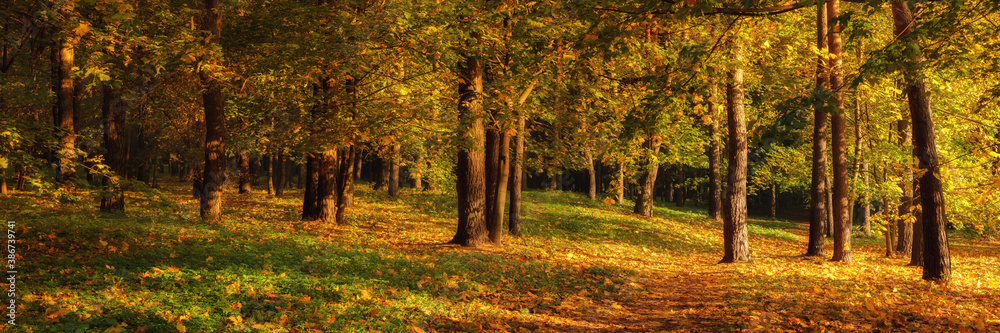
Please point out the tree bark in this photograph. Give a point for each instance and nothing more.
(514, 221)
(270, 174)
(503, 173)
(309, 194)
(736, 244)
(418, 170)
(714, 162)
(592, 176)
(214, 175)
(841, 200)
(326, 187)
(620, 196)
(394, 171)
(113, 114)
(935, 252)
(63, 61)
(244, 172)
(345, 181)
(680, 195)
(471, 178)
(774, 200)
(278, 173)
(492, 159)
(647, 181)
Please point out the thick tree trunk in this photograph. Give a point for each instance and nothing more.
(245, 177)
(309, 193)
(214, 175)
(514, 221)
(3, 182)
(935, 252)
(492, 165)
(647, 182)
(326, 187)
(345, 181)
(65, 111)
(714, 162)
(394, 171)
(113, 114)
(736, 244)
(503, 173)
(471, 178)
(841, 200)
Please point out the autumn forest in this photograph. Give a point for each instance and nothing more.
(500, 166)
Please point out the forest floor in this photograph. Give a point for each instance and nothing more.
(582, 266)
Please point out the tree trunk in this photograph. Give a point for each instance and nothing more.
(592, 176)
(345, 181)
(829, 204)
(3, 182)
(841, 219)
(214, 175)
(394, 171)
(418, 170)
(620, 196)
(736, 244)
(385, 166)
(503, 173)
(270, 173)
(681, 193)
(116, 149)
(492, 159)
(935, 252)
(326, 187)
(309, 193)
(644, 203)
(774, 200)
(244, 172)
(514, 221)
(278, 174)
(471, 178)
(63, 58)
(714, 162)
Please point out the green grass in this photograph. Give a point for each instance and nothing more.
(580, 265)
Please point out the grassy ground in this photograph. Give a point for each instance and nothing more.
(582, 266)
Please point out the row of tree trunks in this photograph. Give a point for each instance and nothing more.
(736, 246)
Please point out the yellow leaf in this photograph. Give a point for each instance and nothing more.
(180, 328)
